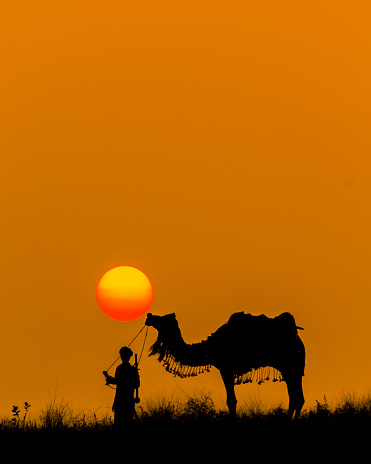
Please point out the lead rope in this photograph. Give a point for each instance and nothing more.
(145, 338)
(140, 357)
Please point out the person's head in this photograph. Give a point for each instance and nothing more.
(125, 353)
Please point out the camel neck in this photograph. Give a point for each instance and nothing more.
(187, 354)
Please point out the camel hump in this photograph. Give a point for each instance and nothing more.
(241, 321)
(285, 322)
(238, 317)
(241, 317)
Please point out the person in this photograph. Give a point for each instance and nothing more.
(127, 381)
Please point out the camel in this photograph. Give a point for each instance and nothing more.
(244, 348)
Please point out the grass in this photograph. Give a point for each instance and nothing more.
(195, 422)
(57, 415)
(60, 415)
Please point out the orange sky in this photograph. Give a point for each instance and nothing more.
(221, 147)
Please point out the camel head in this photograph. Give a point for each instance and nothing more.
(161, 322)
(168, 331)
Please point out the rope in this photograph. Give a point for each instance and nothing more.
(141, 330)
(118, 357)
(145, 338)
(114, 362)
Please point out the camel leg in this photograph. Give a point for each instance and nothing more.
(228, 380)
(296, 396)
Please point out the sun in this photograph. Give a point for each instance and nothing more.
(124, 293)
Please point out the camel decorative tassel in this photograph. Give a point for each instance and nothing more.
(181, 370)
(261, 374)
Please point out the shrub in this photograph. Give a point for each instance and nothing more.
(160, 409)
(199, 408)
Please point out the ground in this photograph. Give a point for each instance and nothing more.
(194, 430)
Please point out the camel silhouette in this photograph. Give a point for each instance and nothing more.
(243, 349)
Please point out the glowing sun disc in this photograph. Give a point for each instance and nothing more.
(124, 293)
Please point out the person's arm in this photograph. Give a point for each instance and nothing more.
(109, 379)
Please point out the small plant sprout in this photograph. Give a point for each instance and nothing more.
(16, 412)
(26, 408)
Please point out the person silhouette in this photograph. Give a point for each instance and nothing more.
(126, 380)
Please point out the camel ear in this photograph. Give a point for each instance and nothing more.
(148, 322)
(172, 315)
